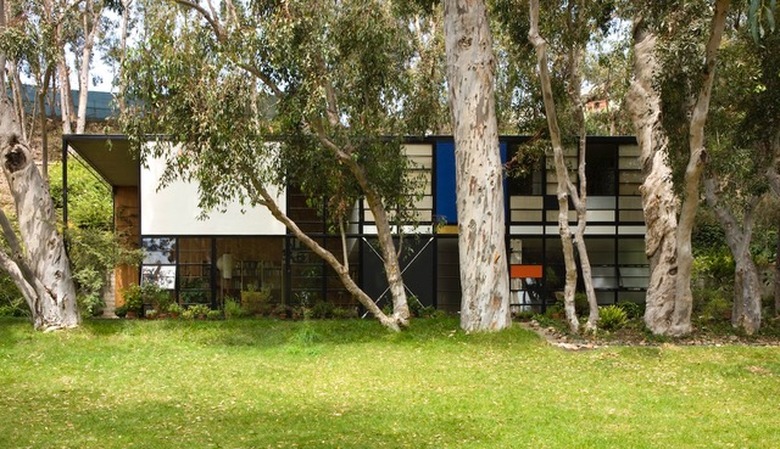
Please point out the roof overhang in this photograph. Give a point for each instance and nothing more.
(109, 156)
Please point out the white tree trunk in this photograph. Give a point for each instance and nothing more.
(42, 262)
(681, 317)
(581, 200)
(565, 186)
(90, 25)
(659, 203)
(481, 222)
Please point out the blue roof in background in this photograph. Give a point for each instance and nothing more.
(100, 105)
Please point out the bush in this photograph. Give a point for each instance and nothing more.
(581, 305)
(633, 310)
(12, 302)
(133, 298)
(718, 308)
(612, 318)
(233, 309)
(322, 309)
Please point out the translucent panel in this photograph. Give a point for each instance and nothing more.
(629, 150)
(600, 215)
(525, 215)
(630, 202)
(601, 202)
(526, 202)
(632, 215)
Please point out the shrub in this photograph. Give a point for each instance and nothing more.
(121, 311)
(214, 315)
(717, 308)
(133, 298)
(322, 309)
(12, 302)
(198, 311)
(581, 305)
(175, 309)
(612, 318)
(633, 310)
(233, 309)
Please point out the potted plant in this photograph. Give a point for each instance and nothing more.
(174, 310)
(133, 301)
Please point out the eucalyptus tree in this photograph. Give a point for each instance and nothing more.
(324, 80)
(744, 145)
(670, 99)
(34, 255)
(478, 171)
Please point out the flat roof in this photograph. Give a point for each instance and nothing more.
(109, 155)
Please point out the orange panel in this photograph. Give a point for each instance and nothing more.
(525, 271)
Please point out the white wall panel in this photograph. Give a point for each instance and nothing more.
(173, 209)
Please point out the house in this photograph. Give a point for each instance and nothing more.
(236, 252)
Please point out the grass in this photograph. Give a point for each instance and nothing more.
(350, 384)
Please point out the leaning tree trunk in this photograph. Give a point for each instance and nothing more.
(481, 222)
(260, 194)
(39, 264)
(565, 186)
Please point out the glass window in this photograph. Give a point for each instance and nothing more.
(159, 263)
(601, 170)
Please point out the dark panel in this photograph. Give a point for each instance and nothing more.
(416, 264)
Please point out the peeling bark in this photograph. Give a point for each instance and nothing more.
(659, 203)
(481, 223)
(41, 266)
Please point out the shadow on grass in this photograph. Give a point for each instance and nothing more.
(264, 333)
(178, 422)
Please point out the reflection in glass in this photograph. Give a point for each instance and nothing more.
(163, 276)
(159, 250)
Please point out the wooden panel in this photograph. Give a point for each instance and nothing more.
(525, 271)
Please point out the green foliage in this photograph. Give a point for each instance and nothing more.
(715, 307)
(89, 197)
(233, 309)
(12, 302)
(634, 311)
(332, 79)
(133, 298)
(121, 311)
(175, 309)
(136, 296)
(94, 249)
(612, 318)
(322, 309)
(581, 305)
(199, 311)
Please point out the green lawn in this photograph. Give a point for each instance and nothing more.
(350, 384)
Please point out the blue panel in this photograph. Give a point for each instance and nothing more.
(446, 205)
(446, 201)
